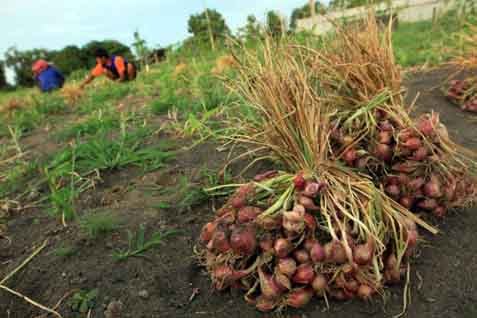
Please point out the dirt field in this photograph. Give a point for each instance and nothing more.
(162, 283)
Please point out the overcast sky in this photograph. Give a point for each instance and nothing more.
(52, 24)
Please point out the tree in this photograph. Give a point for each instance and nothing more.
(251, 30)
(3, 78)
(275, 24)
(69, 59)
(304, 12)
(208, 25)
(21, 62)
(141, 50)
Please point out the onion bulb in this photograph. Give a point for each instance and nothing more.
(298, 298)
(282, 247)
(304, 274)
(320, 284)
(287, 266)
(243, 241)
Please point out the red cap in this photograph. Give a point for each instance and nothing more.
(39, 66)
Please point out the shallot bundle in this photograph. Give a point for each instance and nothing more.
(282, 254)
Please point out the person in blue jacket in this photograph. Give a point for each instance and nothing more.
(47, 76)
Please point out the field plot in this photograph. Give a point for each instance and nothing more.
(106, 187)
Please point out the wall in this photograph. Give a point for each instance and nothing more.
(407, 11)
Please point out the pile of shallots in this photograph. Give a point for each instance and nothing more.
(412, 164)
(285, 258)
(463, 93)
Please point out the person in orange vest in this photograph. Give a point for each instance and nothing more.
(115, 67)
(47, 76)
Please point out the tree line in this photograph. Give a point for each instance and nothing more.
(206, 28)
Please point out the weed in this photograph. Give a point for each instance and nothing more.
(137, 244)
(190, 194)
(99, 224)
(65, 251)
(83, 301)
(98, 123)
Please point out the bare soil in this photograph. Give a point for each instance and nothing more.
(443, 281)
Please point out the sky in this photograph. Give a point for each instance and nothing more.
(53, 24)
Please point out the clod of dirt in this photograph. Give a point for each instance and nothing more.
(143, 294)
(114, 309)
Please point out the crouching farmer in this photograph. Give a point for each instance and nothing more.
(47, 76)
(115, 67)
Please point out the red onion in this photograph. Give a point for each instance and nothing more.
(350, 156)
(405, 167)
(224, 276)
(243, 241)
(282, 247)
(406, 134)
(227, 218)
(308, 203)
(427, 204)
(432, 188)
(338, 294)
(411, 240)
(247, 214)
(220, 242)
(362, 162)
(301, 256)
(266, 243)
(393, 191)
(269, 223)
(238, 201)
(363, 253)
(385, 137)
(391, 180)
(310, 221)
(403, 179)
(412, 143)
(312, 189)
(265, 305)
(299, 181)
(287, 266)
(386, 125)
(208, 231)
(308, 243)
(439, 211)
(317, 253)
(268, 285)
(282, 281)
(320, 284)
(407, 202)
(449, 190)
(384, 152)
(304, 274)
(335, 252)
(294, 220)
(352, 285)
(416, 183)
(299, 297)
(420, 154)
(224, 210)
(365, 292)
(427, 124)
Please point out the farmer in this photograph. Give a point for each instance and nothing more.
(47, 76)
(115, 67)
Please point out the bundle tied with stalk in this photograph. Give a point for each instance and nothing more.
(414, 160)
(322, 228)
(463, 92)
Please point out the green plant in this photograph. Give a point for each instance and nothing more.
(82, 301)
(65, 251)
(99, 224)
(137, 244)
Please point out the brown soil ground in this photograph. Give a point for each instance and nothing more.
(443, 281)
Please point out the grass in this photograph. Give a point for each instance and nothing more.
(99, 224)
(98, 122)
(65, 251)
(138, 245)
